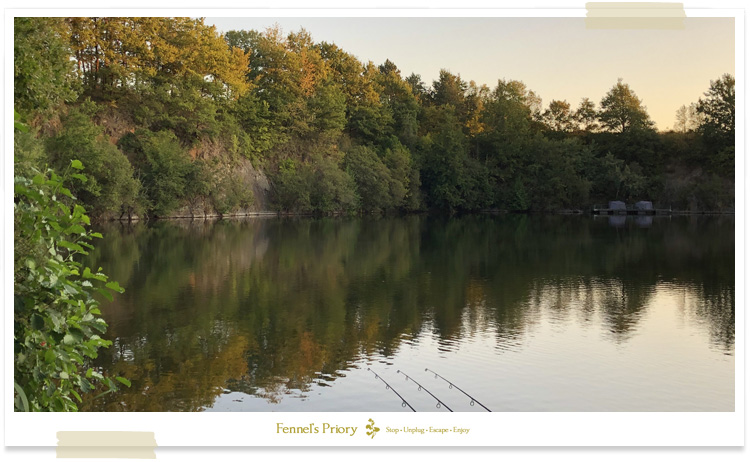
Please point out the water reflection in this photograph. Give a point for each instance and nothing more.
(266, 310)
(618, 221)
(644, 221)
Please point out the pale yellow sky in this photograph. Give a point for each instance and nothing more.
(558, 58)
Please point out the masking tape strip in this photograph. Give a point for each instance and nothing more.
(635, 15)
(106, 445)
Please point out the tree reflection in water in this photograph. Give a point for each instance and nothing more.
(269, 306)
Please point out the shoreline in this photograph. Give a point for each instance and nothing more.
(271, 214)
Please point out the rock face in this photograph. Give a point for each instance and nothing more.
(259, 184)
(249, 178)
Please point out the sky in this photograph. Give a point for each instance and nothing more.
(557, 58)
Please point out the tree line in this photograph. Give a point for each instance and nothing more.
(163, 111)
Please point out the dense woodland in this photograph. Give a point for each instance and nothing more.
(162, 112)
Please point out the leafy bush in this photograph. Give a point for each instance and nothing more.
(231, 194)
(332, 189)
(319, 186)
(56, 317)
(111, 187)
(165, 167)
(372, 178)
(292, 187)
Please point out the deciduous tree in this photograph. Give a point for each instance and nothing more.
(717, 111)
(623, 111)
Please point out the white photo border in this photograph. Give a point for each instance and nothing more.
(490, 429)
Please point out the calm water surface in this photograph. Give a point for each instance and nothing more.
(525, 313)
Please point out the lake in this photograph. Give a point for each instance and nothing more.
(521, 312)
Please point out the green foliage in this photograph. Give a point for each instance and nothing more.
(622, 111)
(641, 146)
(29, 151)
(166, 168)
(717, 109)
(179, 106)
(255, 120)
(292, 191)
(403, 177)
(687, 118)
(449, 89)
(334, 134)
(332, 189)
(401, 102)
(612, 179)
(722, 162)
(328, 107)
(558, 117)
(42, 76)
(116, 56)
(372, 178)
(586, 116)
(476, 189)
(557, 171)
(230, 194)
(110, 187)
(714, 193)
(417, 86)
(318, 187)
(716, 115)
(369, 122)
(56, 324)
(508, 114)
(442, 158)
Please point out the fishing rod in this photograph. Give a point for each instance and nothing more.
(388, 387)
(473, 400)
(428, 391)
